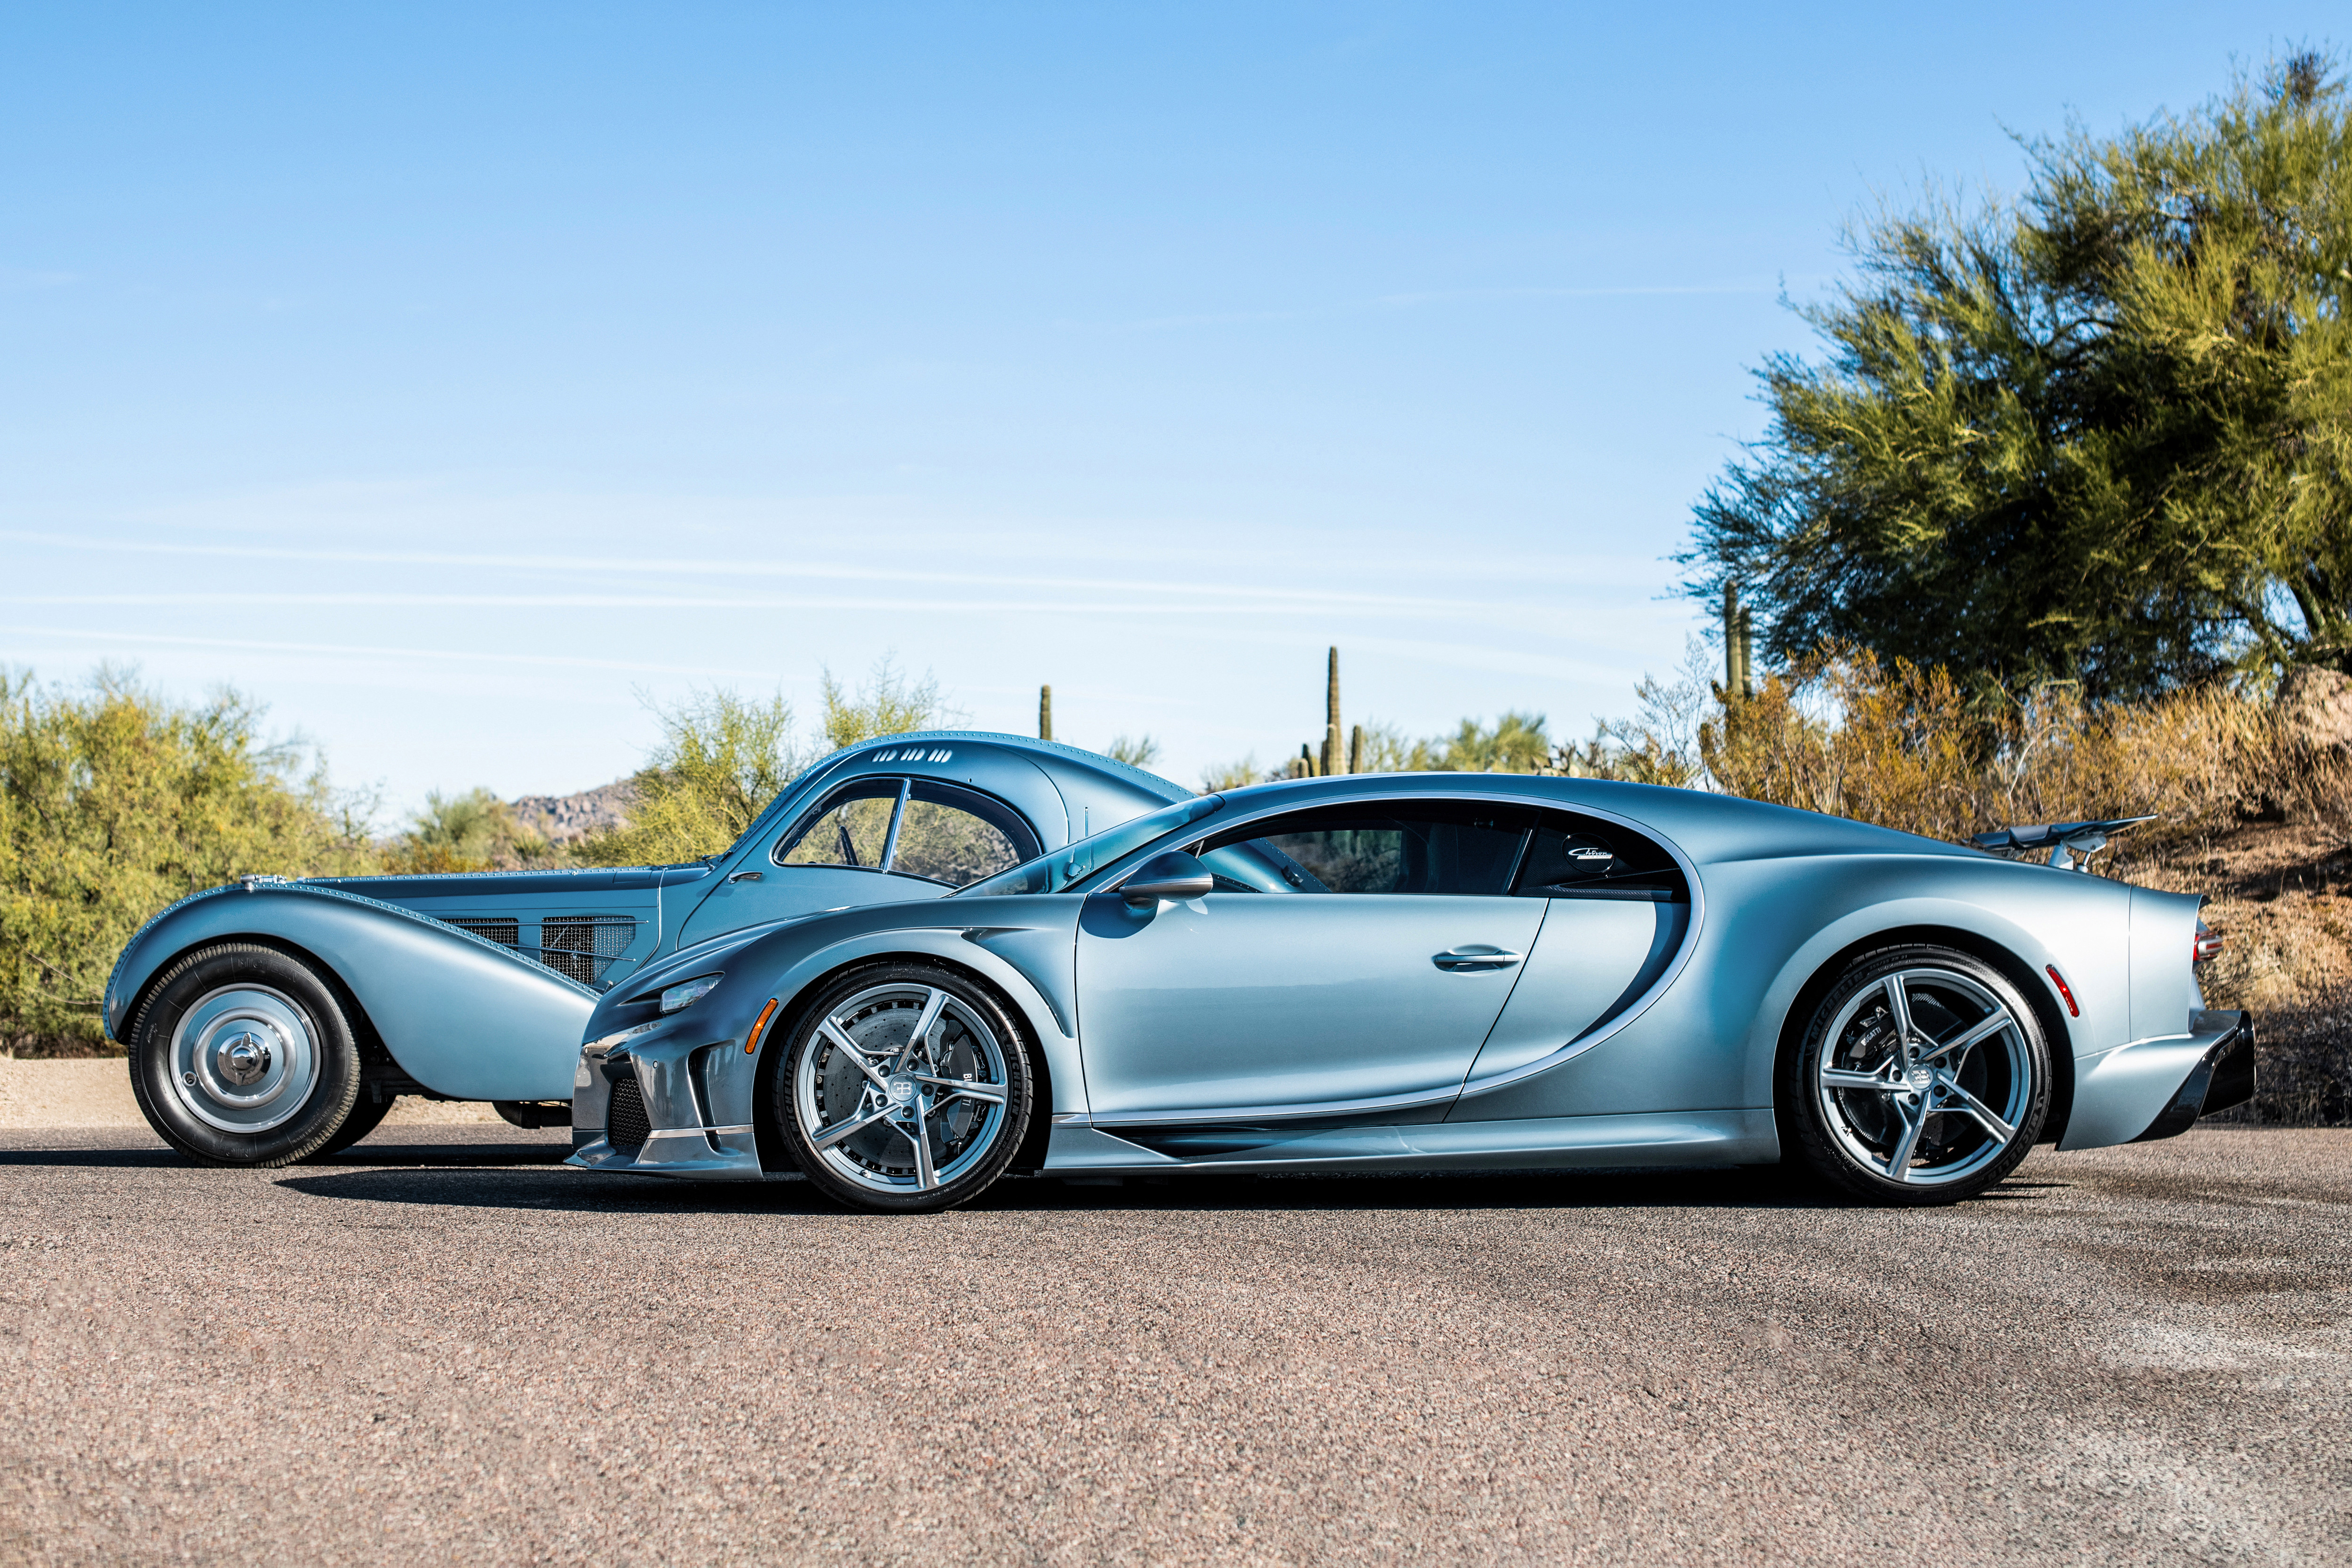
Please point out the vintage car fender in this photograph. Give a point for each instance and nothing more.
(463, 1016)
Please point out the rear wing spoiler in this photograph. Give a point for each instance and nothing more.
(2070, 845)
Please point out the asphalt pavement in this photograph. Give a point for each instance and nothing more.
(444, 1345)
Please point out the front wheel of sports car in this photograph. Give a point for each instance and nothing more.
(904, 1088)
(1923, 1078)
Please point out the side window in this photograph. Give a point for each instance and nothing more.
(850, 828)
(958, 836)
(1582, 857)
(1462, 848)
(943, 832)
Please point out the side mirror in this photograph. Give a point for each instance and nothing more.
(1172, 875)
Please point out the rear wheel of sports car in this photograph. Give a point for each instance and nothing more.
(1923, 1079)
(242, 1057)
(904, 1088)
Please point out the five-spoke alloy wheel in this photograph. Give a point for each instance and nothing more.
(1923, 1078)
(904, 1087)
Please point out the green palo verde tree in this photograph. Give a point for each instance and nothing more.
(116, 802)
(2102, 433)
(722, 757)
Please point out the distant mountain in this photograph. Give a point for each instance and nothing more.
(565, 819)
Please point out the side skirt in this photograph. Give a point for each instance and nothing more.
(1554, 1142)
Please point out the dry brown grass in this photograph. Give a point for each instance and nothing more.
(2252, 813)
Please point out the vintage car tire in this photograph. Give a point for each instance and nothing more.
(1862, 1122)
(227, 1011)
(975, 1139)
(367, 1115)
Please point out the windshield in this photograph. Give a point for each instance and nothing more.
(1055, 871)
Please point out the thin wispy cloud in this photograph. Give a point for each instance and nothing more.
(1208, 595)
(368, 650)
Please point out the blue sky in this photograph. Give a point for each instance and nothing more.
(456, 378)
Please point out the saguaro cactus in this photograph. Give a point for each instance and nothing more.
(1335, 756)
(1044, 713)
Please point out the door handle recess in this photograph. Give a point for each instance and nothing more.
(1460, 960)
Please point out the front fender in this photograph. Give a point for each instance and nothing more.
(1003, 956)
(461, 1015)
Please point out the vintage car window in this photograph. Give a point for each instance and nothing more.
(852, 828)
(1575, 856)
(1060, 869)
(1463, 848)
(958, 836)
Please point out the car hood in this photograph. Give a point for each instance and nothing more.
(492, 885)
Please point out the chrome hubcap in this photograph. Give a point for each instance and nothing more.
(903, 1088)
(244, 1059)
(1924, 1077)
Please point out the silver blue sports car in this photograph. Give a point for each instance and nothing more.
(278, 1020)
(1431, 972)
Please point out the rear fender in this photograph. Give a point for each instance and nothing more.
(461, 1015)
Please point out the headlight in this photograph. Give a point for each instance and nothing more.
(685, 993)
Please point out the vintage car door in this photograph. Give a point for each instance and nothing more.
(877, 839)
(1351, 956)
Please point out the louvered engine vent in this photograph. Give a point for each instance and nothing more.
(625, 1126)
(584, 946)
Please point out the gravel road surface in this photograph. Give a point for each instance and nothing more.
(444, 1345)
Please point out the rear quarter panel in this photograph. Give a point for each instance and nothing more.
(1767, 924)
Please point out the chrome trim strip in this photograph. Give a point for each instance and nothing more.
(660, 1132)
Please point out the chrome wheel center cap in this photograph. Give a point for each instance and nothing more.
(1921, 1079)
(243, 1058)
(903, 1090)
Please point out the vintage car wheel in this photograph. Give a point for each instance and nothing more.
(1923, 1078)
(904, 1088)
(242, 1057)
(367, 1115)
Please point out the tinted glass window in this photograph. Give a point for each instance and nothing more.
(958, 836)
(1582, 857)
(850, 828)
(1444, 847)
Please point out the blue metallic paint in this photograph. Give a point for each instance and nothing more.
(468, 1018)
(1633, 1032)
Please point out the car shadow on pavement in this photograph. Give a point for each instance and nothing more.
(503, 1182)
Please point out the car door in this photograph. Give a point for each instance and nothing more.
(1349, 955)
(878, 839)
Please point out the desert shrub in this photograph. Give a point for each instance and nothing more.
(1237, 775)
(115, 801)
(888, 701)
(722, 757)
(1847, 733)
(1141, 752)
(472, 831)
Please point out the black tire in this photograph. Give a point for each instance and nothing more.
(367, 1115)
(1948, 1119)
(231, 1009)
(971, 1112)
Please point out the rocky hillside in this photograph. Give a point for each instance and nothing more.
(567, 819)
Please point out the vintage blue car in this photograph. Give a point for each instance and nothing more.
(1430, 972)
(275, 1019)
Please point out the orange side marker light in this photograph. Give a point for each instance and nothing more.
(2056, 978)
(752, 1040)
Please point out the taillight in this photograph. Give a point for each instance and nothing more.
(2064, 991)
(2207, 947)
